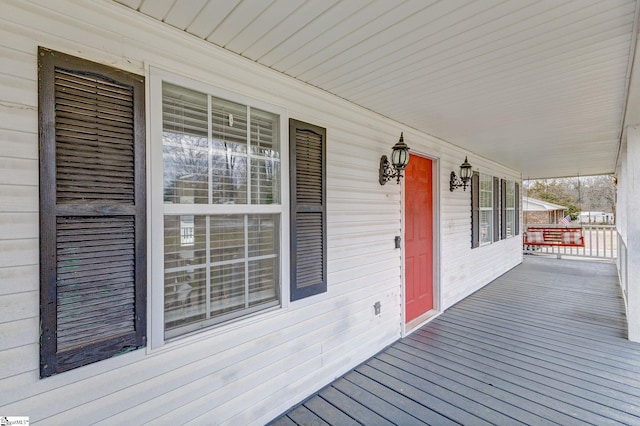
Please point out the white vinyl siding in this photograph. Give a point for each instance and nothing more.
(248, 370)
(216, 154)
(487, 209)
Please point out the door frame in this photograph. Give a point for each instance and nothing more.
(437, 294)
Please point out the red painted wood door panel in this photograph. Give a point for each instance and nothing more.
(418, 201)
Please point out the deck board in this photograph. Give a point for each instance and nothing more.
(454, 404)
(561, 350)
(330, 414)
(566, 387)
(509, 378)
(565, 364)
(471, 387)
(537, 331)
(363, 414)
(544, 344)
(303, 415)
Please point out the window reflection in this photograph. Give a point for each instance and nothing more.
(231, 268)
(216, 153)
(187, 237)
(205, 157)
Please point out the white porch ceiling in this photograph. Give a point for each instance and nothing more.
(539, 86)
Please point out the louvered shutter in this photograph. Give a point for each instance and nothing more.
(92, 212)
(496, 203)
(308, 210)
(503, 208)
(517, 208)
(475, 210)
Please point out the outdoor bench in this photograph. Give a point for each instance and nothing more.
(550, 236)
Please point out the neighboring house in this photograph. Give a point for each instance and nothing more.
(596, 217)
(536, 211)
(190, 236)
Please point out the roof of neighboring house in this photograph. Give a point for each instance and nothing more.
(533, 204)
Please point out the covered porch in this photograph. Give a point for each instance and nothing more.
(546, 343)
(548, 89)
(517, 89)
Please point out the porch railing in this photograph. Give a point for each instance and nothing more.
(600, 241)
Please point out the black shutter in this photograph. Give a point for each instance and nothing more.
(517, 208)
(496, 203)
(503, 208)
(92, 212)
(308, 209)
(475, 210)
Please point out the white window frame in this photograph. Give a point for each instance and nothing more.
(482, 208)
(158, 209)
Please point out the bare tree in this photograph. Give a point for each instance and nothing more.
(590, 193)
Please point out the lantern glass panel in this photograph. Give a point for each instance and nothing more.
(399, 158)
(395, 157)
(465, 172)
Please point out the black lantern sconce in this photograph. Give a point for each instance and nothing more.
(463, 180)
(399, 160)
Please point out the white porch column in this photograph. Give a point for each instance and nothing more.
(632, 189)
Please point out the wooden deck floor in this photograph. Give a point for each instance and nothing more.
(543, 344)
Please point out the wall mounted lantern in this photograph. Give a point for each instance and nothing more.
(463, 180)
(399, 160)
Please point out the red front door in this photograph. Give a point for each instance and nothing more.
(418, 201)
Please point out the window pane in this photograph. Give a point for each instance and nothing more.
(265, 135)
(187, 231)
(184, 111)
(511, 215)
(486, 198)
(227, 238)
(265, 164)
(184, 297)
(486, 228)
(185, 276)
(486, 209)
(263, 242)
(228, 126)
(511, 195)
(262, 281)
(265, 181)
(184, 241)
(185, 171)
(236, 244)
(263, 235)
(185, 145)
(227, 288)
(229, 178)
(486, 191)
(229, 149)
(486, 182)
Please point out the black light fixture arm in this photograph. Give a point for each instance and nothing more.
(456, 182)
(387, 171)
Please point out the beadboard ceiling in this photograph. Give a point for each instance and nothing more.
(539, 86)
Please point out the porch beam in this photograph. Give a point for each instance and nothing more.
(632, 188)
